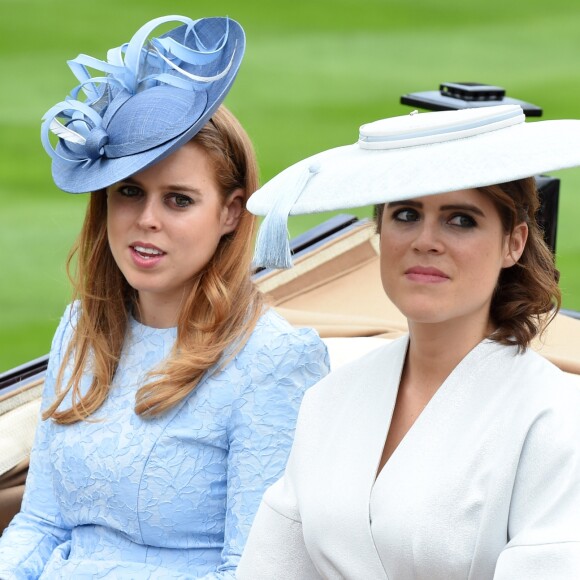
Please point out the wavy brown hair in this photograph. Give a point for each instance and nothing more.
(219, 313)
(526, 296)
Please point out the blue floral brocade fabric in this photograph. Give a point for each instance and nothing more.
(171, 497)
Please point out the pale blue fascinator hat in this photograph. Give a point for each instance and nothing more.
(411, 156)
(153, 96)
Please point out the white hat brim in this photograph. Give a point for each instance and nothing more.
(350, 176)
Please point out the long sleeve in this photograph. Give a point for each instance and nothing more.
(261, 430)
(172, 496)
(275, 547)
(38, 529)
(544, 520)
(489, 490)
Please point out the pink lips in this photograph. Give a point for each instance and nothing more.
(426, 275)
(146, 255)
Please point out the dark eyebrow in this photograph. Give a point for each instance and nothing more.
(405, 202)
(177, 188)
(450, 207)
(463, 207)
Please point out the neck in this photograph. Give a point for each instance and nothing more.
(436, 349)
(157, 313)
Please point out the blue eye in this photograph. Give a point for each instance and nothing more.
(462, 221)
(406, 215)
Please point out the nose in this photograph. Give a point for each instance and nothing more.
(428, 238)
(149, 217)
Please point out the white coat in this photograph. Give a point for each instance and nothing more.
(485, 484)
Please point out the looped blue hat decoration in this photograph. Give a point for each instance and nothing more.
(154, 95)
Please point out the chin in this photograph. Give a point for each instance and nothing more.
(423, 312)
(427, 318)
(140, 285)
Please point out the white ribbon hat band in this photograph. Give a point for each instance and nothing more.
(416, 129)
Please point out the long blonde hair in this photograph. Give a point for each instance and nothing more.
(219, 313)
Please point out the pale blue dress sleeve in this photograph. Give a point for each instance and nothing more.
(239, 424)
(261, 429)
(38, 529)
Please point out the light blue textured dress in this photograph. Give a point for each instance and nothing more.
(172, 497)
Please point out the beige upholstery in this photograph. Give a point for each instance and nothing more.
(19, 411)
(18, 415)
(11, 490)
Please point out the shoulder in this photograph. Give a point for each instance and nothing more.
(60, 341)
(269, 376)
(533, 396)
(343, 388)
(278, 354)
(65, 328)
(272, 331)
(537, 381)
(345, 378)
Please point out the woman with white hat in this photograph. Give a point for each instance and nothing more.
(172, 390)
(454, 451)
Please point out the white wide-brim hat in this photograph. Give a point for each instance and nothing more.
(410, 156)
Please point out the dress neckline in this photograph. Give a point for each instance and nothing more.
(139, 329)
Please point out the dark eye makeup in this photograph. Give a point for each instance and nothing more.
(462, 221)
(127, 190)
(180, 200)
(409, 215)
(406, 214)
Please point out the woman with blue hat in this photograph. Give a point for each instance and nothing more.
(172, 390)
(453, 452)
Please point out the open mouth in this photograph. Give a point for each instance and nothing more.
(147, 253)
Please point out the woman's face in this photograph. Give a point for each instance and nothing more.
(441, 256)
(164, 225)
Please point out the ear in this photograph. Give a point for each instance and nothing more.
(515, 245)
(232, 211)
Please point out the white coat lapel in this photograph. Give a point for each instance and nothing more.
(360, 400)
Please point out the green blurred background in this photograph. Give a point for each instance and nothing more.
(314, 71)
